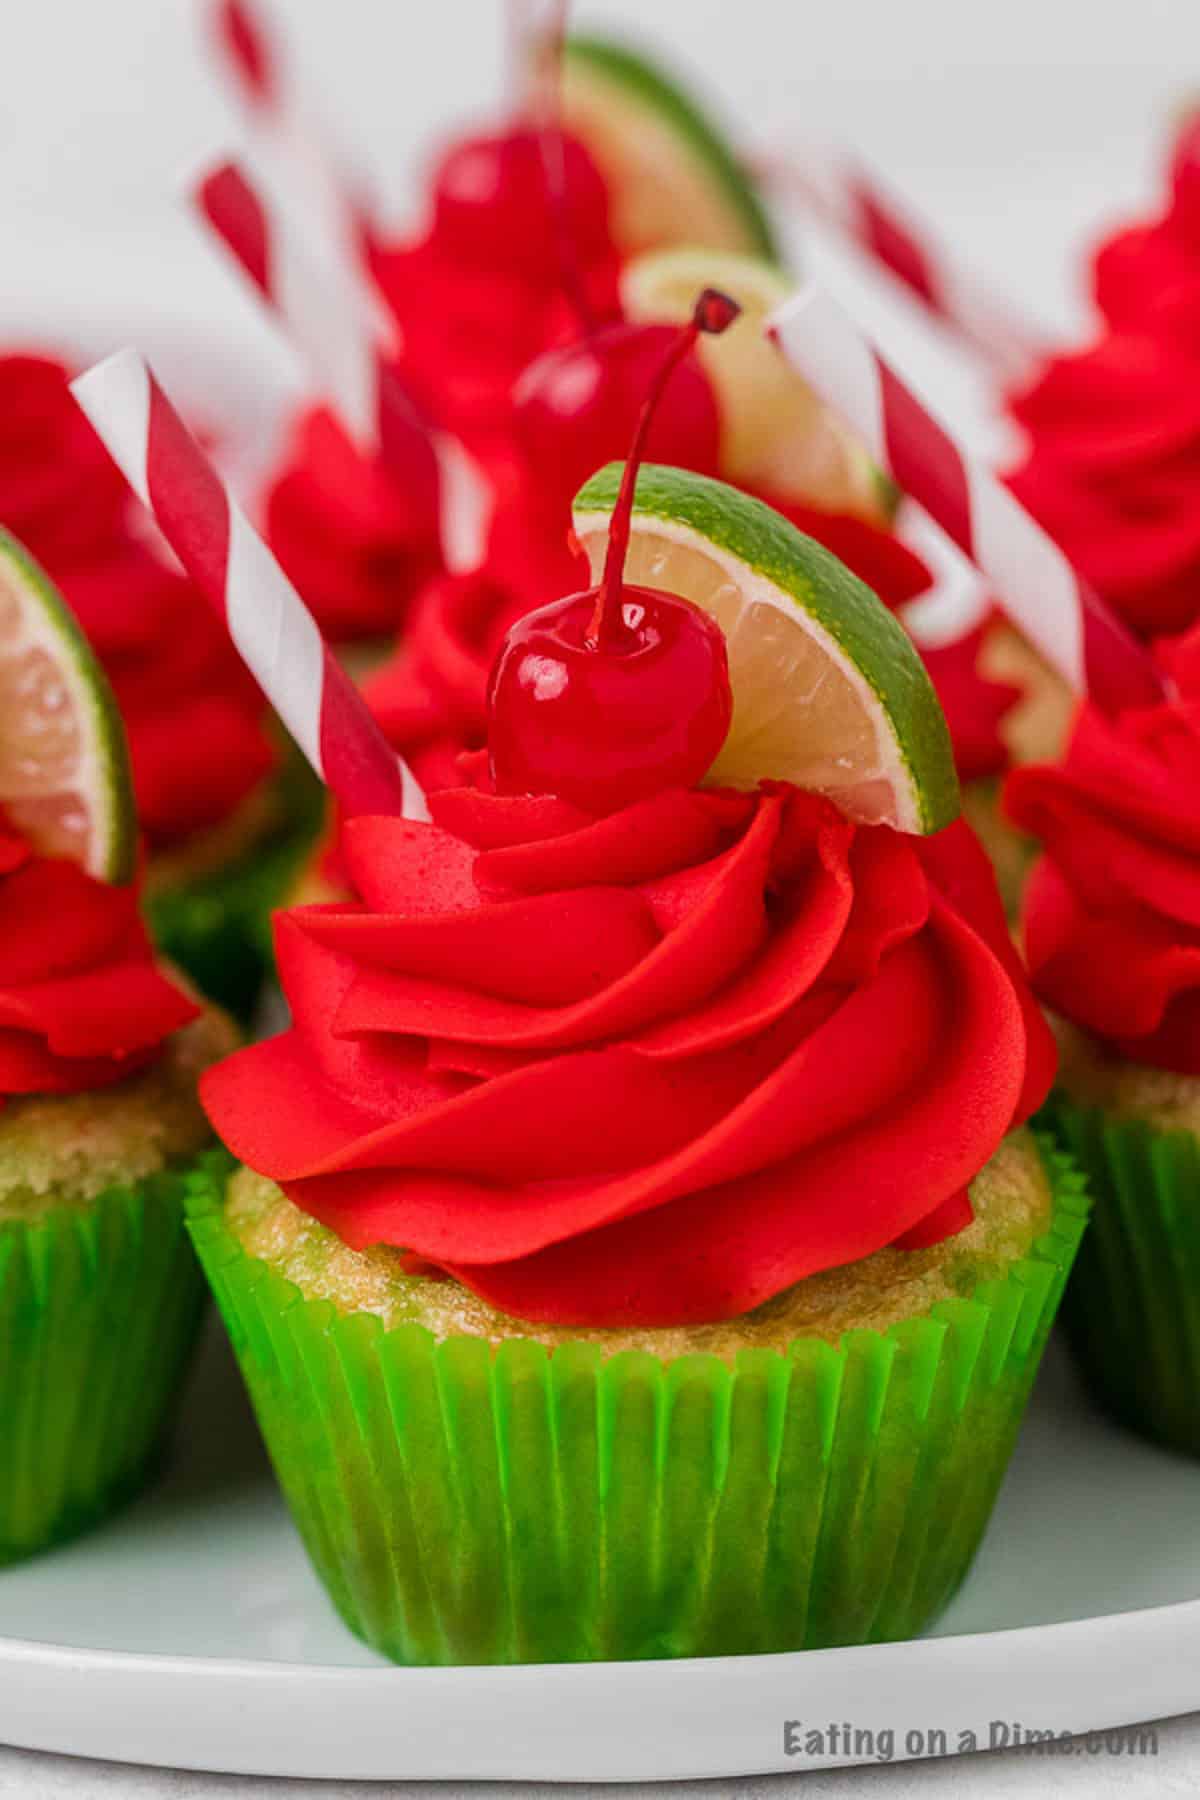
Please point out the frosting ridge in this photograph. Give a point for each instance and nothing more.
(652, 1067)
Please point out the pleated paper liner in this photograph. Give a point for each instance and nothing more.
(465, 1506)
(1132, 1308)
(99, 1307)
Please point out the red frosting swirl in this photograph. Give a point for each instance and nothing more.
(194, 718)
(358, 542)
(60, 492)
(481, 293)
(649, 1068)
(1147, 276)
(1113, 472)
(1112, 910)
(82, 1003)
(1113, 468)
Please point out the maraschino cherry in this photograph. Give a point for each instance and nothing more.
(575, 406)
(528, 198)
(493, 206)
(518, 249)
(615, 693)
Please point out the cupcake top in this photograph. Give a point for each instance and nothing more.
(1112, 472)
(1146, 276)
(610, 1047)
(1114, 428)
(194, 719)
(653, 1067)
(82, 1002)
(480, 292)
(60, 491)
(358, 542)
(1112, 909)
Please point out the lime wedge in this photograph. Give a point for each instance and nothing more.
(776, 434)
(673, 175)
(64, 764)
(828, 691)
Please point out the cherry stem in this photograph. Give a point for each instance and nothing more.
(713, 313)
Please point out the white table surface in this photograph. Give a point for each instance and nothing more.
(1019, 127)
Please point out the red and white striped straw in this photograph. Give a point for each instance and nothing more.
(1043, 594)
(262, 76)
(327, 307)
(855, 204)
(272, 629)
(535, 28)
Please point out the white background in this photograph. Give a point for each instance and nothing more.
(1018, 127)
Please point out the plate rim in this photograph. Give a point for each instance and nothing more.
(1091, 1675)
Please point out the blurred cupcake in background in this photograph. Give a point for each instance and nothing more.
(1112, 938)
(1146, 276)
(558, 253)
(100, 1127)
(604, 155)
(525, 232)
(359, 538)
(1113, 430)
(222, 810)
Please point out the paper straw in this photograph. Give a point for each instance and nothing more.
(536, 30)
(272, 629)
(262, 77)
(1041, 591)
(326, 306)
(846, 197)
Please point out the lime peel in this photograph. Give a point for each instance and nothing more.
(780, 595)
(777, 437)
(608, 84)
(65, 778)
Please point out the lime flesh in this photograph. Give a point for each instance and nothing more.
(828, 691)
(775, 433)
(64, 765)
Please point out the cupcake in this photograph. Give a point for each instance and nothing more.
(1146, 275)
(638, 1247)
(576, 406)
(1110, 469)
(527, 225)
(525, 231)
(358, 538)
(1112, 935)
(100, 1126)
(573, 408)
(222, 810)
(1112, 429)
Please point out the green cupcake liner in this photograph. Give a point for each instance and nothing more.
(1132, 1308)
(217, 927)
(524, 1505)
(99, 1308)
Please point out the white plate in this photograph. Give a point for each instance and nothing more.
(190, 1632)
